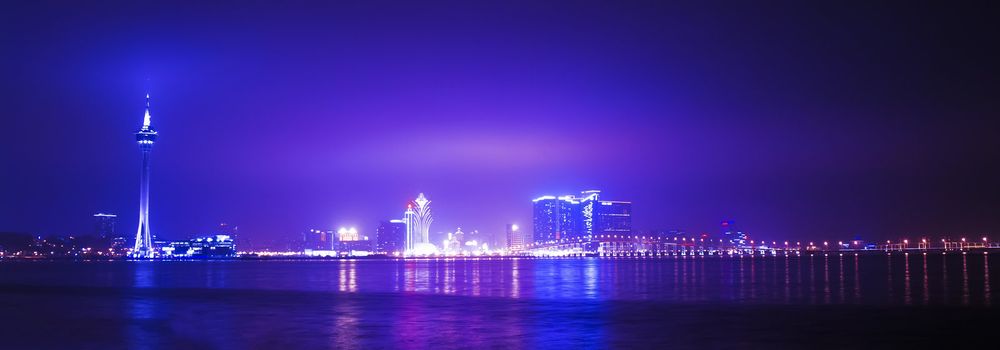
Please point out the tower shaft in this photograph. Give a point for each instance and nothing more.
(143, 239)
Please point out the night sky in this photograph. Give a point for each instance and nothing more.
(796, 119)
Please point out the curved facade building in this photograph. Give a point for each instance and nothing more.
(418, 226)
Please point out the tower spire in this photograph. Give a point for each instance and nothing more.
(146, 119)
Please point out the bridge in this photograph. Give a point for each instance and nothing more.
(640, 245)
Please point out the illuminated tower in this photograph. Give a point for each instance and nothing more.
(145, 137)
(409, 218)
(418, 225)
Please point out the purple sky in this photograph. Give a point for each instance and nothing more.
(797, 120)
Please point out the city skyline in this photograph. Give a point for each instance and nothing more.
(516, 174)
(755, 133)
(146, 136)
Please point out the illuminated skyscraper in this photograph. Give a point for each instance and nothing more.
(409, 217)
(418, 225)
(565, 217)
(545, 216)
(104, 225)
(391, 236)
(515, 239)
(145, 137)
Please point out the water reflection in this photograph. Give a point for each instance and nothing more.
(927, 277)
(753, 279)
(986, 279)
(840, 280)
(500, 303)
(906, 279)
(812, 280)
(347, 276)
(857, 280)
(141, 309)
(779, 279)
(346, 323)
(515, 279)
(965, 280)
(889, 273)
(143, 277)
(868, 279)
(475, 278)
(944, 276)
(826, 279)
(590, 279)
(788, 282)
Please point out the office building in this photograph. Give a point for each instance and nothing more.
(318, 239)
(351, 242)
(515, 238)
(391, 237)
(104, 226)
(558, 218)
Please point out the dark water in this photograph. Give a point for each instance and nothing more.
(869, 301)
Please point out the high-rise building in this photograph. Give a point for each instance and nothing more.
(409, 217)
(349, 240)
(515, 239)
(455, 242)
(104, 225)
(545, 217)
(459, 236)
(418, 225)
(391, 236)
(613, 217)
(567, 217)
(145, 137)
(318, 239)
